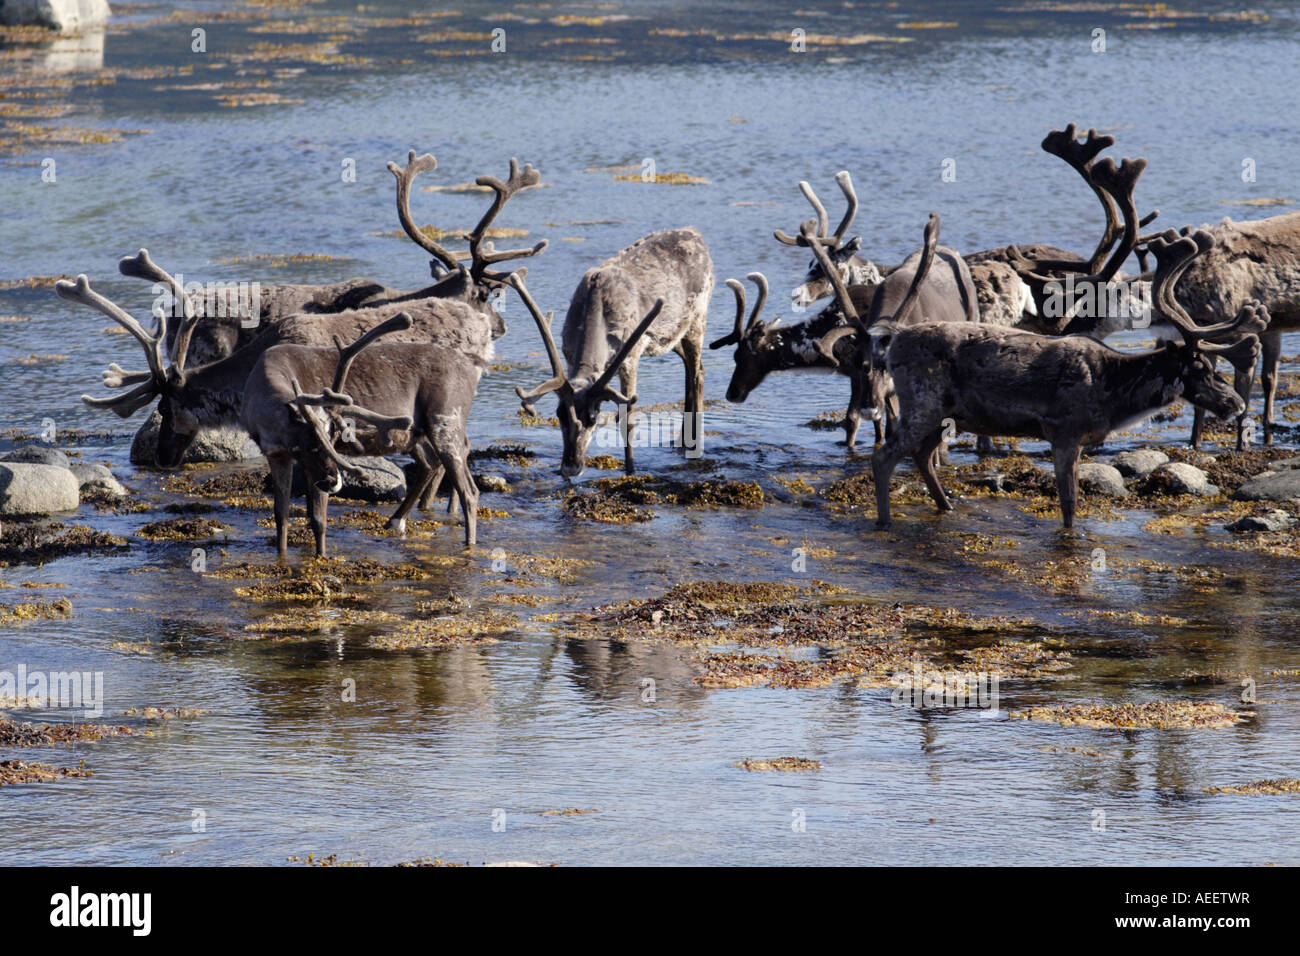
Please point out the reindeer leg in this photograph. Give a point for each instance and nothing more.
(692, 359)
(282, 482)
(416, 489)
(1065, 460)
(627, 378)
(853, 414)
(451, 446)
(1198, 427)
(317, 502)
(925, 458)
(1272, 354)
(883, 463)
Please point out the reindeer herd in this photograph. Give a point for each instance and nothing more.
(1004, 342)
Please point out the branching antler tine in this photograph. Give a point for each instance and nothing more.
(543, 325)
(785, 238)
(851, 197)
(625, 350)
(738, 331)
(117, 377)
(823, 221)
(127, 404)
(1065, 144)
(1172, 252)
(405, 175)
(384, 423)
(1119, 182)
(141, 266)
(1080, 156)
(482, 253)
(81, 292)
(397, 323)
(488, 255)
(759, 280)
(807, 238)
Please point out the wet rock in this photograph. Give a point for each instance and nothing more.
(1280, 483)
(993, 481)
(96, 480)
(33, 489)
(1178, 478)
(1273, 520)
(211, 444)
(492, 483)
(380, 480)
(66, 16)
(1098, 479)
(37, 455)
(1139, 463)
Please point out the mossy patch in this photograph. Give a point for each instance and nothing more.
(780, 764)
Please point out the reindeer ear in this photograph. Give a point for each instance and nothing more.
(854, 244)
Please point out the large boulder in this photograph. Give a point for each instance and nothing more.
(37, 455)
(1179, 478)
(1273, 520)
(1280, 483)
(211, 444)
(66, 16)
(33, 489)
(1098, 479)
(380, 480)
(1139, 463)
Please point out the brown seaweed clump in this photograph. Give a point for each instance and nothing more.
(781, 764)
(18, 771)
(39, 542)
(35, 611)
(620, 500)
(182, 529)
(460, 630)
(1152, 715)
(15, 734)
(1261, 787)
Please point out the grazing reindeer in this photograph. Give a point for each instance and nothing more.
(667, 277)
(415, 396)
(1253, 260)
(1070, 391)
(843, 255)
(209, 396)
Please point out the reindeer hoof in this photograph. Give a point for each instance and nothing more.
(396, 524)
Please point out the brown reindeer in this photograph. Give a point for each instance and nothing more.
(1070, 391)
(650, 298)
(402, 398)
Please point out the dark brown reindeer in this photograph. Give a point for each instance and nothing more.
(383, 399)
(1070, 391)
(650, 298)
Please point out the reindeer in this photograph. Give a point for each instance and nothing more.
(1070, 391)
(1253, 260)
(843, 254)
(210, 395)
(667, 277)
(414, 396)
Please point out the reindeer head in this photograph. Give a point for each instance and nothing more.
(750, 338)
(1236, 340)
(475, 283)
(324, 417)
(579, 399)
(840, 253)
(166, 376)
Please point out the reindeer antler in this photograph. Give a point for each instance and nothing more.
(482, 253)
(559, 379)
(147, 383)
(823, 221)
(405, 175)
(1174, 253)
(601, 387)
(742, 327)
(141, 266)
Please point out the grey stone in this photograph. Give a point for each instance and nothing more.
(1281, 483)
(96, 479)
(380, 480)
(34, 489)
(1183, 479)
(492, 483)
(1098, 479)
(211, 444)
(66, 16)
(1273, 520)
(1139, 463)
(37, 455)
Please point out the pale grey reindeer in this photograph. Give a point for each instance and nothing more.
(842, 253)
(383, 399)
(650, 298)
(1256, 260)
(1070, 391)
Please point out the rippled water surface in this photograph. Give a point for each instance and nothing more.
(546, 720)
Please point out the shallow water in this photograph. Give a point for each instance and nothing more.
(439, 740)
